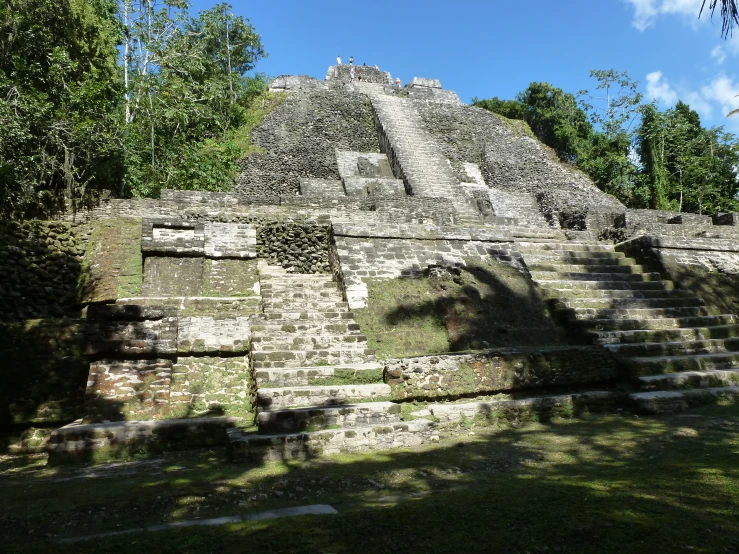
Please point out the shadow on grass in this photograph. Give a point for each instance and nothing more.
(648, 485)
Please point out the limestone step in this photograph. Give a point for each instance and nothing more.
(309, 376)
(299, 446)
(636, 314)
(309, 327)
(330, 395)
(629, 303)
(76, 441)
(554, 258)
(308, 343)
(676, 348)
(451, 413)
(295, 420)
(690, 380)
(607, 285)
(660, 365)
(538, 268)
(276, 284)
(615, 293)
(307, 316)
(543, 276)
(660, 323)
(304, 306)
(318, 295)
(199, 304)
(301, 358)
(597, 249)
(665, 335)
(660, 402)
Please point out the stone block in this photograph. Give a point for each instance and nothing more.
(423, 82)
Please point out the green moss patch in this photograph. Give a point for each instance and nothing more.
(113, 260)
(482, 305)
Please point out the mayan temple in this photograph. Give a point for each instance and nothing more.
(390, 264)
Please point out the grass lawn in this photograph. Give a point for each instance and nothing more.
(613, 483)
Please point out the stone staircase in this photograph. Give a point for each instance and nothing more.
(677, 352)
(318, 387)
(425, 167)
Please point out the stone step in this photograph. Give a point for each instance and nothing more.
(194, 305)
(665, 335)
(307, 316)
(660, 323)
(300, 446)
(586, 314)
(586, 269)
(543, 276)
(304, 306)
(660, 365)
(452, 413)
(308, 343)
(676, 348)
(628, 303)
(660, 402)
(294, 284)
(288, 327)
(534, 247)
(370, 372)
(317, 295)
(607, 285)
(301, 358)
(296, 420)
(555, 258)
(690, 380)
(77, 441)
(329, 395)
(609, 293)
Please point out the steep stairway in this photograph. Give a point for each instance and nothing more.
(677, 352)
(425, 167)
(319, 389)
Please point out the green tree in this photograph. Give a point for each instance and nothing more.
(186, 94)
(58, 91)
(552, 114)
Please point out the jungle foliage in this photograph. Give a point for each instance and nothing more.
(122, 96)
(647, 158)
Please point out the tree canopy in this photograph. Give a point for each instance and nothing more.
(645, 157)
(121, 95)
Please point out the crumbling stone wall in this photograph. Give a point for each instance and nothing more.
(429, 377)
(300, 137)
(40, 269)
(298, 247)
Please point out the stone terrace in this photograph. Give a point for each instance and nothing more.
(245, 315)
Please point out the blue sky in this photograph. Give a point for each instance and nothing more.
(494, 48)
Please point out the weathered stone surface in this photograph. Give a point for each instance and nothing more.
(78, 442)
(320, 443)
(455, 375)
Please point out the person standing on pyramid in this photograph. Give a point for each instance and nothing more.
(351, 74)
(338, 60)
(351, 60)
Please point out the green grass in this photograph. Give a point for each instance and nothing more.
(607, 484)
(482, 305)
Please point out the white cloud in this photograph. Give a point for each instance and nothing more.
(660, 90)
(646, 11)
(719, 54)
(722, 91)
(718, 97)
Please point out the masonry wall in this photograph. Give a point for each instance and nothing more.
(40, 269)
(299, 138)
